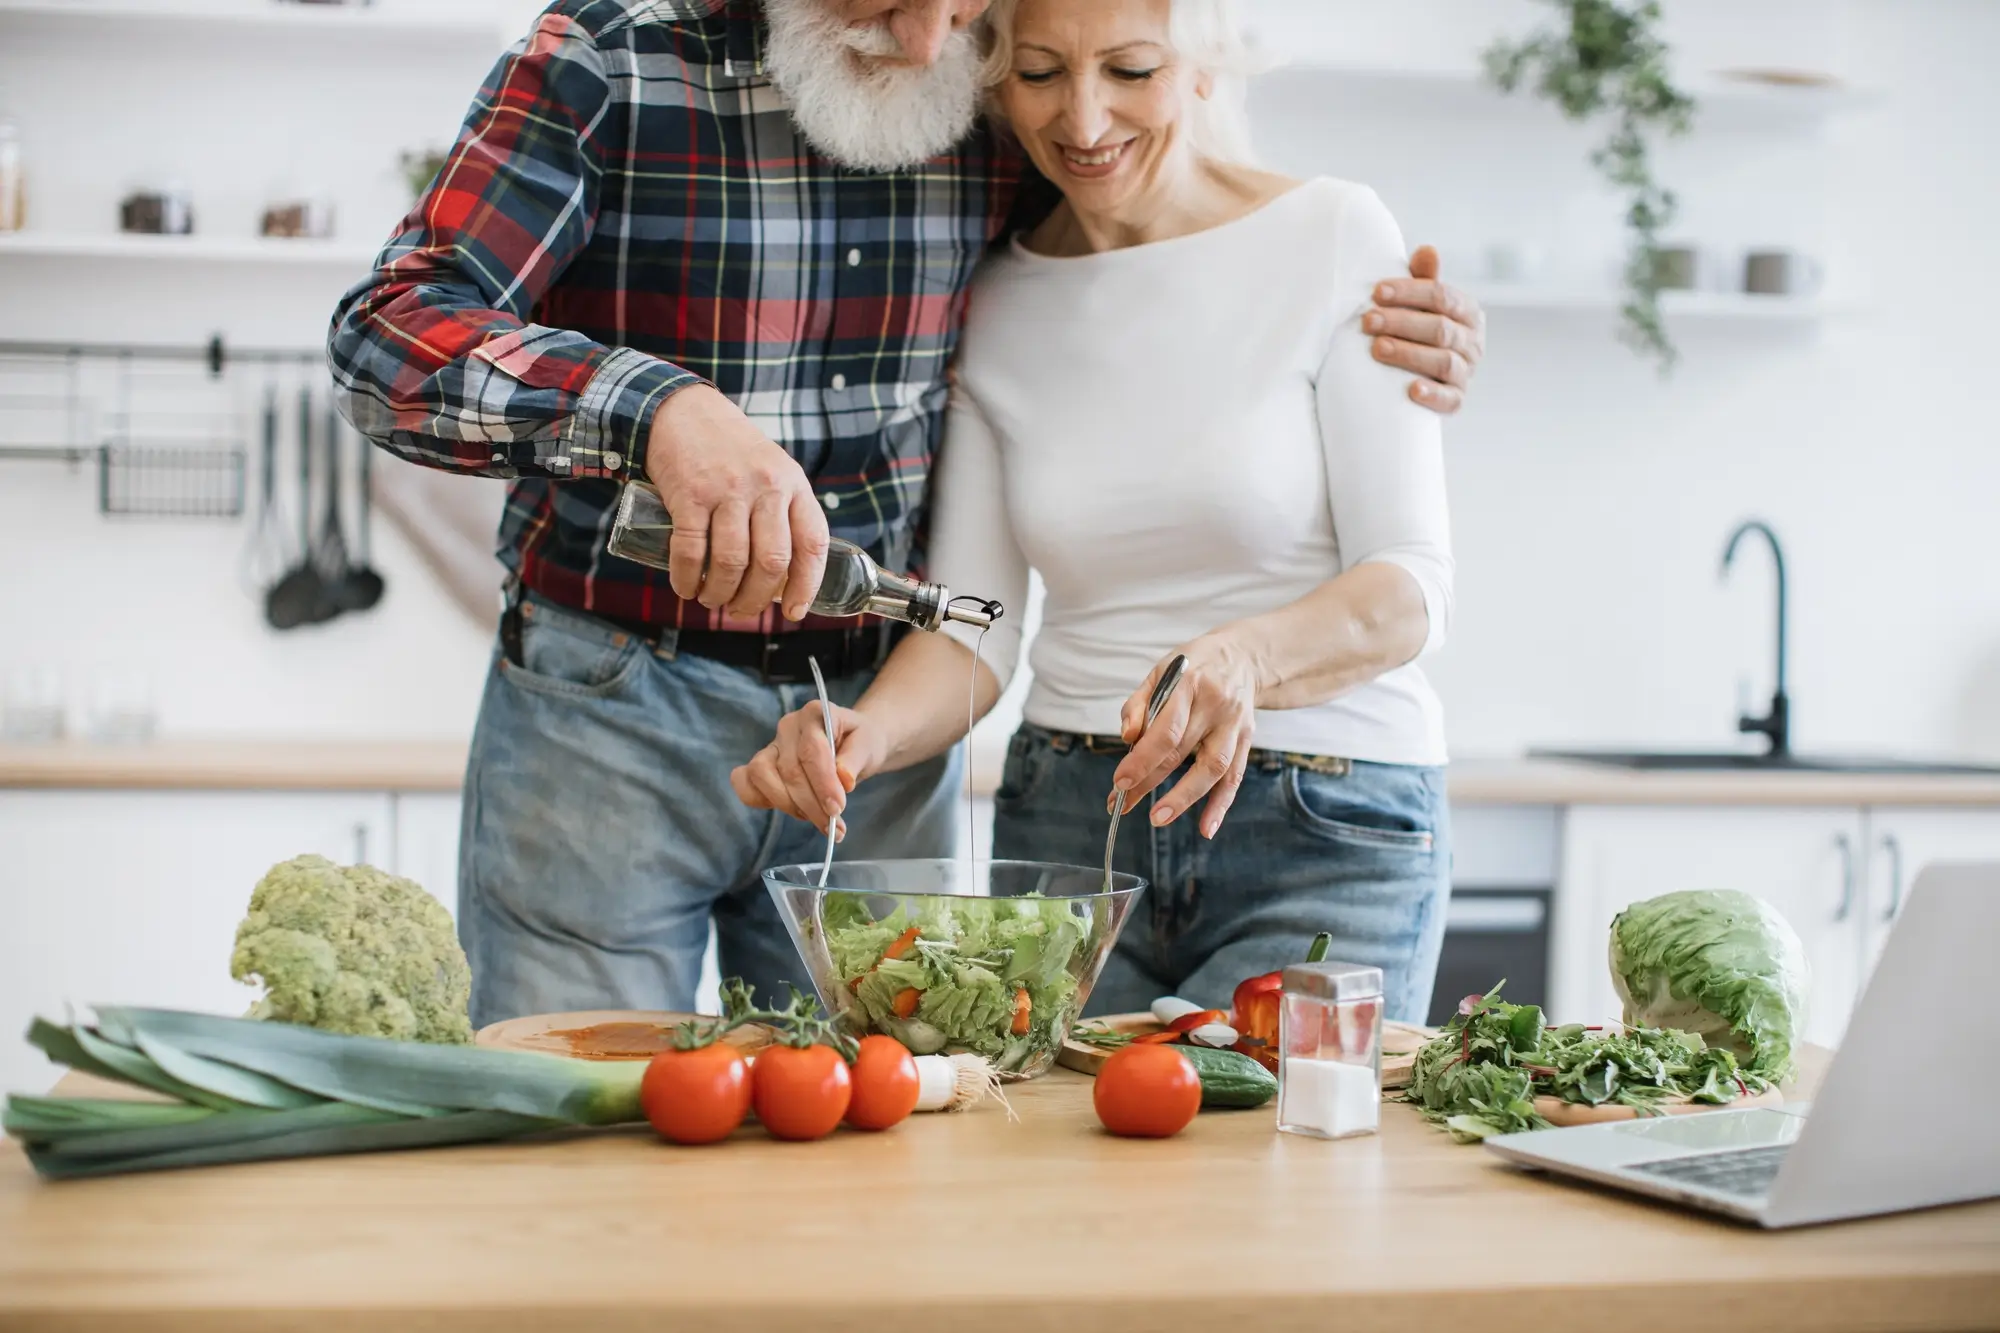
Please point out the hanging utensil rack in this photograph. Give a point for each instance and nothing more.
(181, 479)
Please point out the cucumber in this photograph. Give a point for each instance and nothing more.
(1230, 1078)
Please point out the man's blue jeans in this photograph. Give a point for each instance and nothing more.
(601, 833)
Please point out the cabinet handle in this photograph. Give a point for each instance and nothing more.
(1846, 908)
(1893, 845)
(361, 844)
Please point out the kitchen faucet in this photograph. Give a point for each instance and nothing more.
(1775, 725)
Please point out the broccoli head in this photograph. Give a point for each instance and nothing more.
(356, 950)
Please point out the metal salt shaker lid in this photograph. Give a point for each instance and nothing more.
(1333, 981)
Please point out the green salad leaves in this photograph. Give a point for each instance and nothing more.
(1482, 1074)
(1718, 963)
(992, 975)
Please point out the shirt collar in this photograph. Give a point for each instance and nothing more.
(743, 52)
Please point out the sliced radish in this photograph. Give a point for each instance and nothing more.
(1219, 1035)
(1169, 1007)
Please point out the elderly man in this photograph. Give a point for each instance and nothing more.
(723, 246)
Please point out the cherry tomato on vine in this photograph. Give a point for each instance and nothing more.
(800, 1092)
(697, 1096)
(885, 1084)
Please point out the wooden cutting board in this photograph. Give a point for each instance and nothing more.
(1400, 1042)
(1560, 1113)
(605, 1034)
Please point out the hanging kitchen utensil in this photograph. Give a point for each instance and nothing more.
(1161, 693)
(264, 553)
(364, 584)
(300, 597)
(330, 551)
(826, 716)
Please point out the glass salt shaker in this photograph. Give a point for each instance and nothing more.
(1330, 1050)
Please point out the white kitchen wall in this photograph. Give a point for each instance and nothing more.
(1591, 498)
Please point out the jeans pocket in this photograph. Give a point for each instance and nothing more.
(1384, 806)
(1026, 768)
(569, 655)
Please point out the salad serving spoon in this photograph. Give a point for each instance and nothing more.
(1163, 691)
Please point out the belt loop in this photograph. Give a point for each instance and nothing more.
(1061, 742)
(667, 644)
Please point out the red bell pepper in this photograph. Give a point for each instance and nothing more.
(1255, 1009)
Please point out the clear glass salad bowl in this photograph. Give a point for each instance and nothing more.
(926, 953)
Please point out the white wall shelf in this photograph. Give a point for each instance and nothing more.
(1721, 101)
(371, 20)
(190, 249)
(1677, 305)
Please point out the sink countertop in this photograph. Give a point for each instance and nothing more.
(439, 766)
(1523, 781)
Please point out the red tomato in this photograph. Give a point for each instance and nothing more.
(697, 1096)
(800, 1092)
(885, 1084)
(1147, 1092)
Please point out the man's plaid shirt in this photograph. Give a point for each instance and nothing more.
(629, 210)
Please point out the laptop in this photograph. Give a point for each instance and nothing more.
(1868, 1143)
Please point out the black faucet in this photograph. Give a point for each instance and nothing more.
(1775, 725)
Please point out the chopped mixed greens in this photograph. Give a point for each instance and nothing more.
(997, 976)
(1486, 1067)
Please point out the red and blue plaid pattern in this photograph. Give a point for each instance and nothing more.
(629, 210)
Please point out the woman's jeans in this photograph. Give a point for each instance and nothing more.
(1364, 853)
(601, 834)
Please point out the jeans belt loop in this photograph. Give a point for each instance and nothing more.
(1061, 742)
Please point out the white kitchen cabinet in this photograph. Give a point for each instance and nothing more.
(426, 842)
(1901, 842)
(1806, 862)
(134, 897)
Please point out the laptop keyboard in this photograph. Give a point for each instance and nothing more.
(1744, 1172)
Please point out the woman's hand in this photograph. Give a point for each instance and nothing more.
(1211, 715)
(797, 774)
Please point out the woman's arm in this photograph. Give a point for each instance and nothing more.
(915, 709)
(1392, 602)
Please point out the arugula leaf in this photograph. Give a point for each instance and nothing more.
(1481, 1075)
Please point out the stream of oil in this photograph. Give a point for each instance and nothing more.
(971, 805)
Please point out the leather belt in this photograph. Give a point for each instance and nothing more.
(780, 659)
(777, 659)
(1062, 742)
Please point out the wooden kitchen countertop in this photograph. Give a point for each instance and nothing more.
(239, 765)
(970, 1222)
(439, 766)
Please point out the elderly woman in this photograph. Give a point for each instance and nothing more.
(1166, 407)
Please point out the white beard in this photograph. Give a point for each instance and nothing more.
(881, 119)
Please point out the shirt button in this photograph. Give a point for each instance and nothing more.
(854, 259)
(839, 383)
(830, 500)
(613, 461)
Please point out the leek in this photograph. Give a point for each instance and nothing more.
(243, 1090)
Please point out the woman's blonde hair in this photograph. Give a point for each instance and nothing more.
(1205, 34)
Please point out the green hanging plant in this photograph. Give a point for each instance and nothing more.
(1610, 62)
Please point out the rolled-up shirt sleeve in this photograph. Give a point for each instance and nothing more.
(435, 355)
(973, 551)
(1384, 453)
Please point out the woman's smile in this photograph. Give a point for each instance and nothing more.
(1094, 163)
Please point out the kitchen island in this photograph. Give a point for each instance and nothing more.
(970, 1223)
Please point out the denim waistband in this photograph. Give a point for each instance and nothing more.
(1066, 742)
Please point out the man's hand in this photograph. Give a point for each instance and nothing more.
(746, 522)
(798, 775)
(1430, 329)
